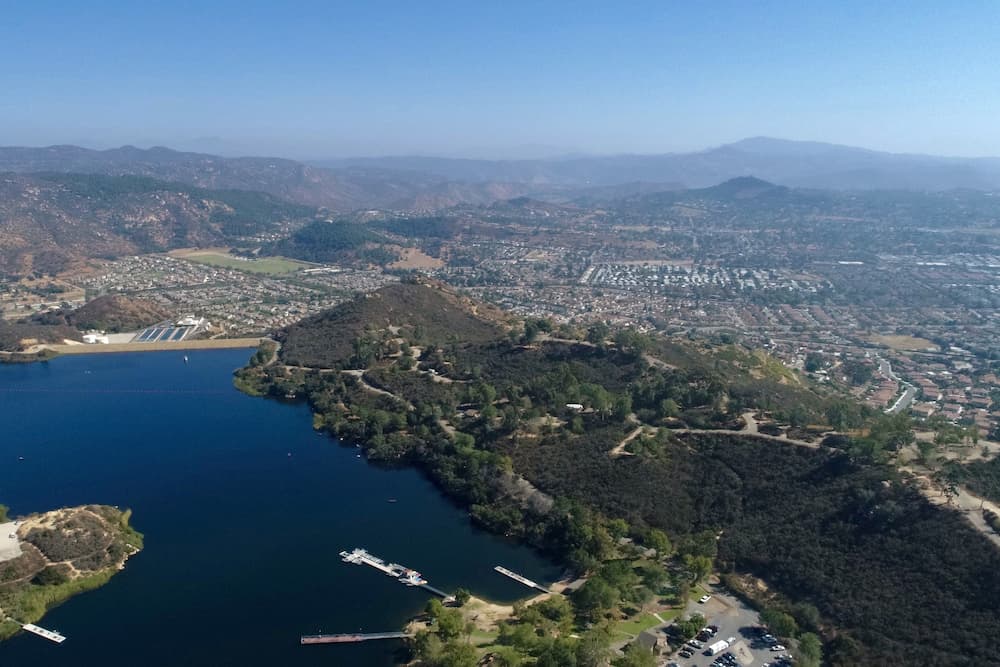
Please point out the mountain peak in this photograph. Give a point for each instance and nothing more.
(744, 187)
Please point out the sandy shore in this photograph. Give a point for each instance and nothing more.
(198, 344)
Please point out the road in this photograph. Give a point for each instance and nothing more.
(910, 393)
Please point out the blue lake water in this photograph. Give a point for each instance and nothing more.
(242, 540)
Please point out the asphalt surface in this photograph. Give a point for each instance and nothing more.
(735, 620)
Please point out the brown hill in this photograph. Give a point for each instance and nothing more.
(341, 189)
(49, 221)
(423, 313)
(116, 313)
(18, 336)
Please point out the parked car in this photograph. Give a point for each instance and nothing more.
(777, 647)
(704, 598)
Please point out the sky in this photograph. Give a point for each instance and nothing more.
(499, 79)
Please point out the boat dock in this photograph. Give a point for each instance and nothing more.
(522, 580)
(352, 638)
(400, 573)
(51, 635)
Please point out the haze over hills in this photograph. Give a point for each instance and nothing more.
(338, 189)
(428, 183)
(792, 163)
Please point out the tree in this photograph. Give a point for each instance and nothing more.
(598, 333)
(428, 646)
(635, 656)
(450, 624)
(623, 406)
(691, 626)
(779, 622)
(925, 448)
(559, 652)
(595, 597)
(618, 528)
(658, 540)
(698, 567)
(810, 653)
(593, 649)
(433, 608)
(458, 655)
(462, 596)
(669, 408)
(507, 657)
(814, 362)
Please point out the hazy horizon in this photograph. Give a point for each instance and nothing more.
(328, 81)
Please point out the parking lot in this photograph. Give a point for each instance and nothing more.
(735, 621)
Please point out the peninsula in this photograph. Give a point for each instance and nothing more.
(45, 559)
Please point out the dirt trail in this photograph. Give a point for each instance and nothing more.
(751, 430)
(965, 503)
(619, 449)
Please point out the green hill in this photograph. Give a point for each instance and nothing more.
(421, 313)
(570, 445)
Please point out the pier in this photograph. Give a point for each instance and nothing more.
(51, 635)
(352, 638)
(400, 573)
(521, 580)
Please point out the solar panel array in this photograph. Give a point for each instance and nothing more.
(162, 334)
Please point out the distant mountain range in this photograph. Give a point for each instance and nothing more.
(791, 163)
(341, 189)
(429, 183)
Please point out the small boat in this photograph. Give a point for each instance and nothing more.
(392, 500)
(20, 458)
(185, 358)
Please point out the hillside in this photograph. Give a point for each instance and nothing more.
(564, 442)
(57, 555)
(49, 221)
(116, 313)
(340, 189)
(422, 313)
(18, 336)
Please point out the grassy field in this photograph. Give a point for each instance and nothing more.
(905, 342)
(637, 624)
(272, 266)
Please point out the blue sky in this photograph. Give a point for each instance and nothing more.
(499, 79)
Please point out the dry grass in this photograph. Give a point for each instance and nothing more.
(904, 342)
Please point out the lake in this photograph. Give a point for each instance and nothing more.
(244, 510)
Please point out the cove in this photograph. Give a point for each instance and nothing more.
(244, 508)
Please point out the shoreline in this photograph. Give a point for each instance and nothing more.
(197, 344)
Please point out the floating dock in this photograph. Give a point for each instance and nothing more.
(400, 573)
(521, 580)
(51, 635)
(352, 638)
